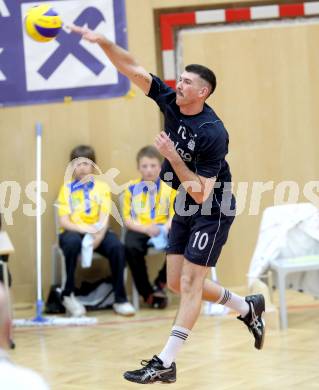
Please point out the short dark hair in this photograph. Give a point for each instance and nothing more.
(150, 152)
(204, 73)
(85, 151)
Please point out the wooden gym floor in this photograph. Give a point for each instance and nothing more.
(219, 354)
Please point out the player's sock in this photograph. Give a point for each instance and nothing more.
(173, 345)
(233, 301)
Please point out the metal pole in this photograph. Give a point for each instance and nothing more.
(39, 308)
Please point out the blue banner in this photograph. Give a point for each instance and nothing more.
(32, 72)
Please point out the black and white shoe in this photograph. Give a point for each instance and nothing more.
(254, 321)
(152, 371)
(159, 302)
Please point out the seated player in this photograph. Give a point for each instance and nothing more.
(147, 211)
(84, 205)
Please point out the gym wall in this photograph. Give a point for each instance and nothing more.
(266, 96)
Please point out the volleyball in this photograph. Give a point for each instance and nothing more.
(42, 23)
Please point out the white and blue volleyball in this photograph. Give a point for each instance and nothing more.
(42, 23)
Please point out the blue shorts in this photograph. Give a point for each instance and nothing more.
(200, 238)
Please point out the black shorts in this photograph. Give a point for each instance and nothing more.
(200, 238)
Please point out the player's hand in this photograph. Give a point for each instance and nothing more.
(84, 228)
(98, 238)
(165, 146)
(86, 33)
(152, 230)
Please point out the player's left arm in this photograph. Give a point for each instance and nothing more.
(198, 187)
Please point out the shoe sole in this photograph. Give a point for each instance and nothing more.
(124, 315)
(69, 314)
(264, 326)
(166, 382)
(263, 336)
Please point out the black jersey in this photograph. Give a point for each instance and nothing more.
(201, 140)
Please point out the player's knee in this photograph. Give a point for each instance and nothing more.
(190, 284)
(186, 283)
(173, 283)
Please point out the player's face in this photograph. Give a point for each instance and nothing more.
(82, 169)
(149, 168)
(189, 89)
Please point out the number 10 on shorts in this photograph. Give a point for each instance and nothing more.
(201, 240)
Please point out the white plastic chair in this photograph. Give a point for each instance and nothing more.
(288, 244)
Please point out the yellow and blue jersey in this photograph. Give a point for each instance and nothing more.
(84, 202)
(148, 203)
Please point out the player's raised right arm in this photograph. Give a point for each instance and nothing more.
(120, 58)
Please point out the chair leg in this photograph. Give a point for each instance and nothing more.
(55, 260)
(58, 266)
(282, 300)
(62, 269)
(213, 274)
(135, 297)
(270, 285)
